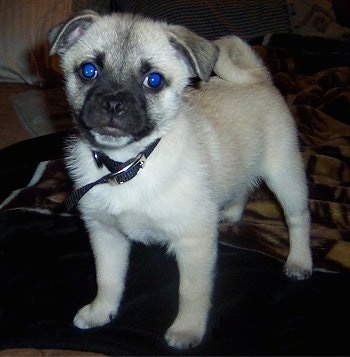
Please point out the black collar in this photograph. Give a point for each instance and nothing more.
(120, 172)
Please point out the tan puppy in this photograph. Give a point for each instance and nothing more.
(186, 152)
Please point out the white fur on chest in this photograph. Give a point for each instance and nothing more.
(163, 200)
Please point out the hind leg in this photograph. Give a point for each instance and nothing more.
(286, 180)
(233, 210)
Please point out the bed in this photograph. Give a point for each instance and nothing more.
(47, 268)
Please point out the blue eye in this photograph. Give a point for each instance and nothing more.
(88, 71)
(154, 81)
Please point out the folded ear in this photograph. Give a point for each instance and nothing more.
(200, 54)
(65, 34)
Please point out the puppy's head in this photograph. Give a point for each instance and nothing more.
(125, 74)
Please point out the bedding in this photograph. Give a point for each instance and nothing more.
(47, 270)
(212, 18)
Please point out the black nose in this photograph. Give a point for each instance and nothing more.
(114, 103)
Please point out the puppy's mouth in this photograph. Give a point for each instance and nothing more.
(116, 133)
(113, 128)
(114, 117)
(113, 138)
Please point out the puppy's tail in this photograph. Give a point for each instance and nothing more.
(238, 63)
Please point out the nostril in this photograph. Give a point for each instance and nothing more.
(114, 104)
(118, 106)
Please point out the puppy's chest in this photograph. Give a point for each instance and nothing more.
(140, 227)
(134, 208)
(133, 215)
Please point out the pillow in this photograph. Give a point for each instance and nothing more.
(214, 18)
(316, 18)
(100, 6)
(23, 38)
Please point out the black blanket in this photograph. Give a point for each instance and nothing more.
(47, 273)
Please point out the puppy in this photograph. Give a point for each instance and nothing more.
(165, 152)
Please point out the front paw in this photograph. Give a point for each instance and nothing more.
(183, 338)
(94, 315)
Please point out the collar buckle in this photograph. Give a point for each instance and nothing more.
(128, 171)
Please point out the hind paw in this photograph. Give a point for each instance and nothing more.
(297, 272)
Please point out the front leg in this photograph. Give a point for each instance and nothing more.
(111, 252)
(196, 258)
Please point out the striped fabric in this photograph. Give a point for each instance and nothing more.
(215, 18)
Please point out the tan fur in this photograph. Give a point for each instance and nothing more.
(218, 140)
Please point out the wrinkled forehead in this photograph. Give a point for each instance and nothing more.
(122, 43)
